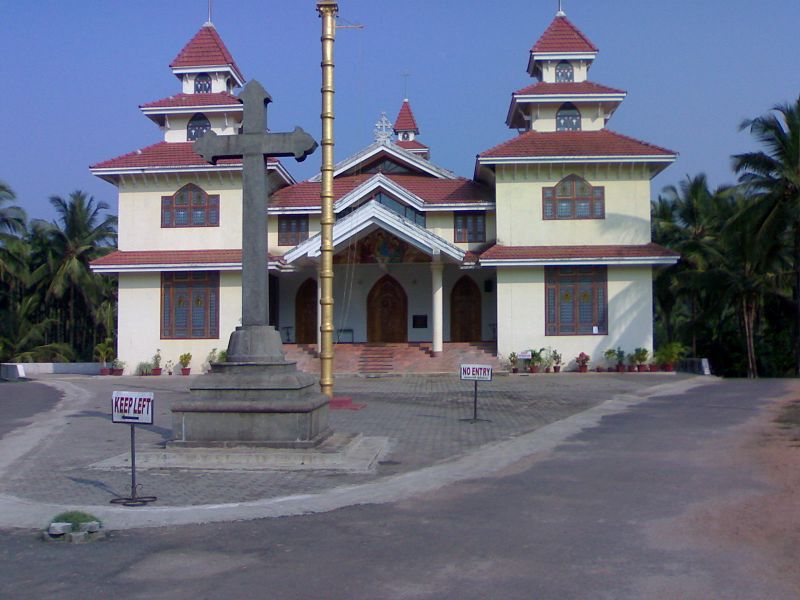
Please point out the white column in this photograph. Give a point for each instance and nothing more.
(437, 296)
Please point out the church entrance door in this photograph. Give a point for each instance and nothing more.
(465, 311)
(305, 313)
(387, 312)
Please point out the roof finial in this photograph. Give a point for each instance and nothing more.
(406, 75)
(560, 12)
(209, 12)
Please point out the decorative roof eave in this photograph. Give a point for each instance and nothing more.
(542, 56)
(177, 266)
(176, 110)
(565, 262)
(110, 174)
(400, 153)
(372, 214)
(237, 76)
(527, 160)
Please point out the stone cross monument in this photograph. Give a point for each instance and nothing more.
(256, 397)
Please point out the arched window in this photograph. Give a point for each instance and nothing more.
(202, 84)
(573, 198)
(565, 73)
(198, 125)
(568, 118)
(190, 207)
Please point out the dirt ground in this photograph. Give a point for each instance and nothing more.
(763, 524)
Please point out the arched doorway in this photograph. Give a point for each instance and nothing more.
(305, 313)
(465, 311)
(387, 312)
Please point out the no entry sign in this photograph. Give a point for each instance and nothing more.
(132, 408)
(476, 372)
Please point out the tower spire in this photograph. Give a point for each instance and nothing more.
(210, 3)
(560, 12)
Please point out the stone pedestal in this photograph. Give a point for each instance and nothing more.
(256, 399)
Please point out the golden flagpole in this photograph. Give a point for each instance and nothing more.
(328, 10)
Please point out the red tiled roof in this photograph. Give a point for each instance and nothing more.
(411, 145)
(563, 89)
(206, 49)
(573, 143)
(181, 100)
(563, 36)
(498, 252)
(164, 154)
(405, 120)
(432, 191)
(171, 257)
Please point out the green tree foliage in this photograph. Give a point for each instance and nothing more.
(52, 307)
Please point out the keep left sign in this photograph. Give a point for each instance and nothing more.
(132, 407)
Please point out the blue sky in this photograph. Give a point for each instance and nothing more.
(75, 73)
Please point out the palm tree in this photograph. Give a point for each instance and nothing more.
(79, 235)
(773, 175)
(12, 218)
(686, 219)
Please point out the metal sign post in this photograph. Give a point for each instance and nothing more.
(132, 408)
(475, 373)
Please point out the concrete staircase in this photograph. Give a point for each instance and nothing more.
(383, 359)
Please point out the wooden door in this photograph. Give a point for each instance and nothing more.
(465, 311)
(305, 313)
(387, 312)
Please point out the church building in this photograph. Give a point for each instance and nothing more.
(547, 245)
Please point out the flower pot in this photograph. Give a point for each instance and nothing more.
(514, 370)
(600, 369)
(557, 369)
(534, 369)
(654, 368)
(116, 372)
(620, 368)
(583, 368)
(185, 370)
(548, 369)
(641, 368)
(156, 371)
(105, 371)
(631, 368)
(668, 368)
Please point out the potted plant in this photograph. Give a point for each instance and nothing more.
(620, 359)
(631, 362)
(117, 367)
(557, 358)
(668, 354)
(211, 358)
(144, 368)
(611, 358)
(640, 355)
(104, 351)
(536, 360)
(156, 362)
(168, 366)
(583, 362)
(547, 359)
(184, 360)
(512, 360)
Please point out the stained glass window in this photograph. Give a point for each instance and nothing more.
(568, 118)
(573, 198)
(190, 207)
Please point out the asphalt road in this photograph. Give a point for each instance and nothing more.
(595, 519)
(20, 401)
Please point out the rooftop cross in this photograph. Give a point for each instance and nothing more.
(253, 145)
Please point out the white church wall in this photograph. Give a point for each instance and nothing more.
(140, 216)
(521, 314)
(139, 313)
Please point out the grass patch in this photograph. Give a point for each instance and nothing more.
(74, 517)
